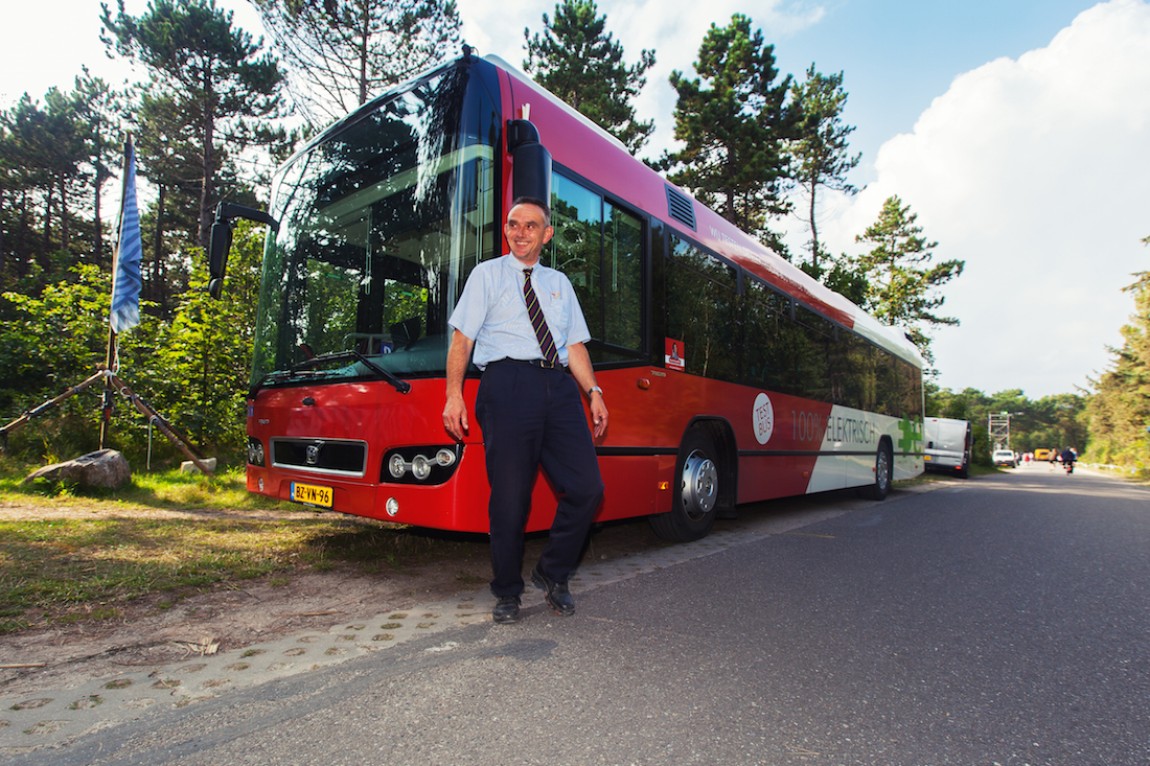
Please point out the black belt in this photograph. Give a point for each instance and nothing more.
(543, 363)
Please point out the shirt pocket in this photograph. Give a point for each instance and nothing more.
(555, 309)
(507, 305)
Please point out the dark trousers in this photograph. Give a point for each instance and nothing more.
(534, 417)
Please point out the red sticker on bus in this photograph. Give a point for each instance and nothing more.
(675, 354)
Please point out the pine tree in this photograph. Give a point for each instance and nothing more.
(821, 152)
(42, 150)
(340, 53)
(902, 284)
(98, 107)
(577, 60)
(735, 123)
(213, 71)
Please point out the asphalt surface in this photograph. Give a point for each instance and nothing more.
(1002, 620)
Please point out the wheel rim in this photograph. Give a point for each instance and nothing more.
(700, 485)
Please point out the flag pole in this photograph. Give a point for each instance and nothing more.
(110, 356)
(109, 393)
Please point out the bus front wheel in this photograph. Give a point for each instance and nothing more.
(693, 508)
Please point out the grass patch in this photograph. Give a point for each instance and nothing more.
(142, 541)
(225, 490)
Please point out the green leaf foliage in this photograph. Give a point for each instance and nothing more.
(193, 369)
(1119, 411)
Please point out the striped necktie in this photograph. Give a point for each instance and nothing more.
(538, 321)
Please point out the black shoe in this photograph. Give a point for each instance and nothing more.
(556, 593)
(506, 609)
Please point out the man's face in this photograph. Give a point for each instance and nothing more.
(527, 233)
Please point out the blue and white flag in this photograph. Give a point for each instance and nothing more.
(126, 287)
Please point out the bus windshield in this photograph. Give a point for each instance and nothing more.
(380, 220)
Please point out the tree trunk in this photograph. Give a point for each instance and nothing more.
(47, 242)
(208, 182)
(364, 39)
(98, 229)
(158, 284)
(22, 238)
(65, 234)
(814, 227)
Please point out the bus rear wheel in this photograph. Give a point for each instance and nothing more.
(883, 473)
(696, 499)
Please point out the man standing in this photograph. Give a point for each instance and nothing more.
(523, 322)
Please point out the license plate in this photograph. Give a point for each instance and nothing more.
(312, 494)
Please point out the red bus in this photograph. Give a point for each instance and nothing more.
(731, 376)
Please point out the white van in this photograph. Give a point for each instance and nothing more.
(948, 443)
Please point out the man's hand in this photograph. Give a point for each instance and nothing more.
(455, 417)
(455, 411)
(579, 362)
(598, 415)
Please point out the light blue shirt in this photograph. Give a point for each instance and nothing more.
(492, 311)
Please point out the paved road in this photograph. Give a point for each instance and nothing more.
(1002, 620)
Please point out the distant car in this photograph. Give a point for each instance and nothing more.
(1042, 455)
(1004, 457)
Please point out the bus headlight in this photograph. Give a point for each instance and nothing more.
(421, 467)
(255, 451)
(411, 465)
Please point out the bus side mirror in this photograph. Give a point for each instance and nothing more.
(530, 161)
(221, 240)
(221, 245)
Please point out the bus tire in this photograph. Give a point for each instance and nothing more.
(696, 500)
(883, 473)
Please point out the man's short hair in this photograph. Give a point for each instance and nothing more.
(537, 203)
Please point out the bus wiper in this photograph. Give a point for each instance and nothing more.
(402, 386)
(305, 369)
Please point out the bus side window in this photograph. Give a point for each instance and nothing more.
(622, 280)
(600, 248)
(702, 310)
(577, 216)
(768, 348)
(816, 343)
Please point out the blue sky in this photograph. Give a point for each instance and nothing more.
(1017, 130)
(899, 55)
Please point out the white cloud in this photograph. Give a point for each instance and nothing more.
(1036, 172)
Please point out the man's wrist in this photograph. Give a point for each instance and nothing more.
(594, 390)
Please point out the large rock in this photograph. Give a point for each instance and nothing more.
(103, 469)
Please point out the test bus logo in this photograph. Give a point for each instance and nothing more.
(764, 418)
